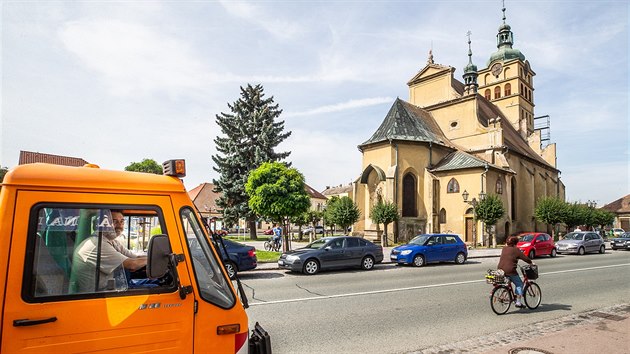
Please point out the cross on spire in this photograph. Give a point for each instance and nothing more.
(469, 50)
(503, 9)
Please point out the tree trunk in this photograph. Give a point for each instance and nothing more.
(252, 229)
(384, 236)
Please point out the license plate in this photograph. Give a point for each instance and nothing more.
(280, 262)
(393, 256)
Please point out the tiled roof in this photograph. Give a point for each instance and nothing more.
(407, 122)
(313, 193)
(619, 206)
(34, 157)
(205, 198)
(335, 190)
(458, 160)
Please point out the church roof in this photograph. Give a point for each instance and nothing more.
(408, 122)
(459, 160)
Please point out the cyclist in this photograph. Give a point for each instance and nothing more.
(508, 261)
(277, 236)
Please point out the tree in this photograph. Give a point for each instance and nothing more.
(313, 217)
(576, 214)
(490, 210)
(3, 171)
(602, 218)
(344, 213)
(250, 135)
(384, 213)
(277, 192)
(327, 213)
(146, 165)
(552, 211)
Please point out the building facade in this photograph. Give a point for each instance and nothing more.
(477, 136)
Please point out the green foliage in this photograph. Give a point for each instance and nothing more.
(384, 213)
(490, 209)
(250, 135)
(602, 217)
(343, 212)
(576, 214)
(550, 210)
(327, 213)
(147, 166)
(277, 192)
(3, 171)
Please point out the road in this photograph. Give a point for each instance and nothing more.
(404, 309)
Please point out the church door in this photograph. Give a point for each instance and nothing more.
(469, 230)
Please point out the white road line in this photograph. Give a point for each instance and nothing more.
(416, 287)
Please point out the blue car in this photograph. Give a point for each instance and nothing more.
(240, 257)
(429, 248)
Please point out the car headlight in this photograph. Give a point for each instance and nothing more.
(405, 252)
(292, 258)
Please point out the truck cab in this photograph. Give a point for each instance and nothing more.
(66, 290)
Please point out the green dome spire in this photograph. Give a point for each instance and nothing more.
(470, 72)
(505, 40)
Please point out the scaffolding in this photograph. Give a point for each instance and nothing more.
(543, 124)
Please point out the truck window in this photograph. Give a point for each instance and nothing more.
(82, 251)
(213, 284)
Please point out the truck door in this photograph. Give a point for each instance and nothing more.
(56, 303)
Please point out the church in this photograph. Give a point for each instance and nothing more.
(453, 143)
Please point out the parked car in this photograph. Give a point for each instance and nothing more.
(330, 253)
(622, 242)
(319, 230)
(534, 244)
(268, 232)
(428, 248)
(580, 243)
(617, 232)
(239, 257)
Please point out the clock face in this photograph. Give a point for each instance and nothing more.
(496, 69)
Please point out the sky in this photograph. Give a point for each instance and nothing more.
(114, 82)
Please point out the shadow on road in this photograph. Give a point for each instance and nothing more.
(542, 308)
(260, 275)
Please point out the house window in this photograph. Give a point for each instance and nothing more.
(508, 89)
(409, 195)
(497, 92)
(443, 216)
(499, 187)
(453, 186)
(487, 94)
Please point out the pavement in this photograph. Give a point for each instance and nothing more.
(600, 330)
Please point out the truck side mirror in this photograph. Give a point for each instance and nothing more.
(158, 256)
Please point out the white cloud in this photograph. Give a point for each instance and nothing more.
(268, 20)
(352, 104)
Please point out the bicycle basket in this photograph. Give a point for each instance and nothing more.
(531, 271)
(495, 276)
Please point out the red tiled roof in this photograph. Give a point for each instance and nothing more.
(34, 157)
(621, 205)
(205, 198)
(313, 193)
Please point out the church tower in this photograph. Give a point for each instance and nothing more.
(470, 73)
(507, 81)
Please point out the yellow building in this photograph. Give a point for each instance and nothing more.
(476, 136)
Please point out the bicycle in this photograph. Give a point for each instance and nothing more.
(502, 294)
(271, 245)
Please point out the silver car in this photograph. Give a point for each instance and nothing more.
(580, 243)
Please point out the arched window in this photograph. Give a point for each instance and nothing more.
(453, 186)
(508, 89)
(409, 195)
(499, 187)
(443, 216)
(522, 90)
(487, 94)
(497, 92)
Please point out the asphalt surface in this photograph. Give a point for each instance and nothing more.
(600, 330)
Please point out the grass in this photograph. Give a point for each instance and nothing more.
(267, 256)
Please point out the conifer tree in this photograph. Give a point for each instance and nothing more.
(250, 134)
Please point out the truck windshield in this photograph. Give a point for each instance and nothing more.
(213, 284)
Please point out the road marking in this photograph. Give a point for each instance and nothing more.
(324, 297)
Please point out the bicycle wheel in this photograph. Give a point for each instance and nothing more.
(501, 299)
(268, 246)
(532, 295)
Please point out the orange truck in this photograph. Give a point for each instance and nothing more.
(94, 260)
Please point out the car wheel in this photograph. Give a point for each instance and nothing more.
(553, 252)
(581, 251)
(460, 258)
(367, 263)
(310, 267)
(532, 254)
(418, 260)
(230, 267)
(602, 249)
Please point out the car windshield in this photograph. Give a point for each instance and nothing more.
(419, 240)
(317, 244)
(527, 238)
(574, 236)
